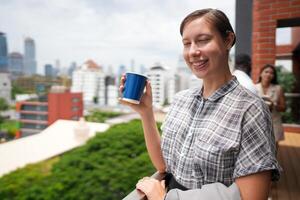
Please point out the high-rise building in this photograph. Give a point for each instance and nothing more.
(5, 87)
(39, 114)
(90, 80)
(49, 70)
(111, 91)
(143, 69)
(71, 69)
(3, 53)
(30, 65)
(184, 74)
(15, 63)
(121, 70)
(158, 79)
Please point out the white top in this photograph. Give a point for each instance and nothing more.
(54, 140)
(245, 80)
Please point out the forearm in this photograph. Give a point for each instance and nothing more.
(255, 186)
(152, 139)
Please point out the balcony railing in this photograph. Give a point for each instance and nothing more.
(136, 195)
(292, 112)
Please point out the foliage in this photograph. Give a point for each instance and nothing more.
(287, 80)
(292, 112)
(166, 102)
(100, 116)
(11, 126)
(16, 90)
(95, 100)
(106, 168)
(3, 104)
(12, 184)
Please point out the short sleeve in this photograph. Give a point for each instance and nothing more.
(257, 150)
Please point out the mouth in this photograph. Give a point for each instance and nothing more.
(199, 65)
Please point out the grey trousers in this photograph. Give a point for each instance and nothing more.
(214, 191)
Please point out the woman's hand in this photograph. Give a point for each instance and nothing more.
(268, 101)
(152, 188)
(145, 105)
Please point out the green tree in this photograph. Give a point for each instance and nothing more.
(286, 79)
(16, 90)
(100, 116)
(3, 104)
(106, 168)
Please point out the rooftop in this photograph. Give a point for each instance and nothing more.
(54, 140)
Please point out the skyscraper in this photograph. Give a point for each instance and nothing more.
(49, 70)
(30, 67)
(15, 63)
(3, 53)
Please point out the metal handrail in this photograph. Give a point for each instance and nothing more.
(292, 94)
(137, 195)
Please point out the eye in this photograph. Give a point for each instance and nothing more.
(203, 40)
(186, 44)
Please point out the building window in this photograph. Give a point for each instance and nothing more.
(74, 108)
(75, 99)
(75, 118)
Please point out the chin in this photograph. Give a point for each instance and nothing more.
(199, 75)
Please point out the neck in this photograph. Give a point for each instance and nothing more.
(265, 84)
(210, 85)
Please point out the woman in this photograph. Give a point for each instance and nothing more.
(272, 93)
(218, 133)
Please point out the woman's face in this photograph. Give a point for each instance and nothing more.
(267, 75)
(205, 51)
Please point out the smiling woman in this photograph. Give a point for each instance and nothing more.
(216, 140)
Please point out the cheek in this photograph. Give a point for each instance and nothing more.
(185, 55)
(214, 50)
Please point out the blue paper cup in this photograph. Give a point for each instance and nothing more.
(134, 87)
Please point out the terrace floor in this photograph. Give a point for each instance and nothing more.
(288, 188)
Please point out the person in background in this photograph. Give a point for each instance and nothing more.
(217, 140)
(269, 89)
(243, 72)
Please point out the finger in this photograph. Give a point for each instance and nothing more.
(144, 186)
(123, 79)
(121, 101)
(145, 178)
(148, 88)
(140, 191)
(141, 186)
(163, 184)
(121, 88)
(122, 83)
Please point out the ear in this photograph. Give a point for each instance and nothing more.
(229, 40)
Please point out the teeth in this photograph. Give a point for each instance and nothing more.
(199, 63)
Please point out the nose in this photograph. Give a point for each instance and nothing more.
(194, 50)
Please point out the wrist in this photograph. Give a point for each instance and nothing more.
(147, 114)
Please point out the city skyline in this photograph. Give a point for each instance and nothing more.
(111, 33)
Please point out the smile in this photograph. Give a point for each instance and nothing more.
(199, 64)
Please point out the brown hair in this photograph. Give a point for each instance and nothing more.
(216, 17)
(274, 80)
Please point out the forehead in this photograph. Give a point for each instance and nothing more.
(269, 69)
(198, 25)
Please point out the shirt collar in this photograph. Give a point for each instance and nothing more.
(222, 91)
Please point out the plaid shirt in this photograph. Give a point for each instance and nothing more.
(218, 139)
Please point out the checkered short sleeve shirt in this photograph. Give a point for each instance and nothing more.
(218, 139)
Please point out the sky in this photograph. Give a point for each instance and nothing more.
(110, 32)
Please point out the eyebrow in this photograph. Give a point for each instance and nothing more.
(199, 35)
